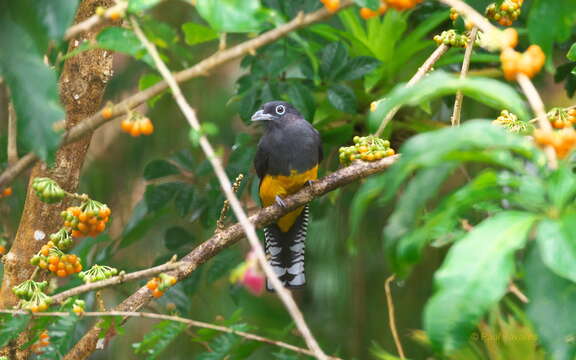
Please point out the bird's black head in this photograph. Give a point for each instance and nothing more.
(276, 111)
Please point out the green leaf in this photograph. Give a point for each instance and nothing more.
(491, 92)
(157, 340)
(197, 34)
(55, 15)
(342, 98)
(552, 298)
(141, 221)
(125, 41)
(157, 196)
(159, 33)
(333, 59)
(141, 5)
(11, 327)
(561, 187)
(370, 4)
(148, 80)
(358, 67)
(301, 97)
(159, 168)
(557, 243)
(222, 264)
(231, 16)
(176, 236)
(572, 53)
(473, 277)
(33, 85)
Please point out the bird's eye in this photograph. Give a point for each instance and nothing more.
(280, 109)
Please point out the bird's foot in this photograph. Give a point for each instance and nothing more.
(280, 201)
(310, 182)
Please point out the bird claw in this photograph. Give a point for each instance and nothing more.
(280, 201)
(310, 182)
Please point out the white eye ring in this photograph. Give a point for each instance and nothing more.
(280, 109)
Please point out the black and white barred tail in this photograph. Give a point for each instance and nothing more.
(285, 251)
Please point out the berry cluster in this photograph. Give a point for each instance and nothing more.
(506, 13)
(53, 259)
(43, 341)
(561, 118)
(48, 190)
(160, 284)
(136, 124)
(62, 239)
(112, 15)
(37, 302)
(79, 306)
(366, 13)
(97, 273)
(6, 192)
(510, 122)
(563, 141)
(452, 38)
(402, 4)
(528, 63)
(28, 288)
(367, 148)
(88, 219)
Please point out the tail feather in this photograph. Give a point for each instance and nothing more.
(286, 251)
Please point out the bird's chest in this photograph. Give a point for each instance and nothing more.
(291, 151)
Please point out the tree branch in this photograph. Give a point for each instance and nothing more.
(540, 111)
(392, 316)
(422, 71)
(88, 125)
(226, 186)
(95, 20)
(189, 322)
(477, 19)
(234, 233)
(463, 74)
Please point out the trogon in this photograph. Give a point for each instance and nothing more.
(286, 160)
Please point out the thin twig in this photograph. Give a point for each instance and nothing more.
(540, 111)
(518, 293)
(203, 68)
(189, 322)
(422, 71)
(475, 17)
(463, 74)
(12, 135)
(226, 186)
(392, 316)
(95, 20)
(220, 224)
(115, 280)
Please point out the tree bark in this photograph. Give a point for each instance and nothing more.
(82, 87)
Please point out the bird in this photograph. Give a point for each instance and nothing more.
(287, 159)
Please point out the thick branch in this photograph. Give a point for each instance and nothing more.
(422, 71)
(189, 322)
(203, 68)
(463, 73)
(234, 233)
(226, 186)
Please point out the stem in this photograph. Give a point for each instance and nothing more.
(422, 71)
(220, 223)
(538, 107)
(189, 322)
(392, 316)
(248, 227)
(478, 19)
(463, 74)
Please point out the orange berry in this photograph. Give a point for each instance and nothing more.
(82, 227)
(34, 309)
(107, 113)
(76, 211)
(61, 273)
(44, 251)
(69, 269)
(114, 16)
(152, 284)
(93, 220)
(366, 13)
(2, 250)
(53, 267)
(135, 131)
(61, 265)
(126, 125)
(72, 259)
(332, 6)
(78, 267)
(101, 226)
(173, 281)
(7, 191)
(509, 38)
(53, 259)
(42, 264)
(42, 307)
(76, 234)
(83, 217)
(146, 127)
(157, 293)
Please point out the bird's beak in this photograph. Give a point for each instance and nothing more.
(261, 116)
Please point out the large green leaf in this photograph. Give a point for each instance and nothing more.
(197, 34)
(342, 98)
(125, 41)
(358, 67)
(557, 243)
(491, 92)
(234, 16)
(33, 85)
(301, 97)
(474, 277)
(443, 224)
(552, 301)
